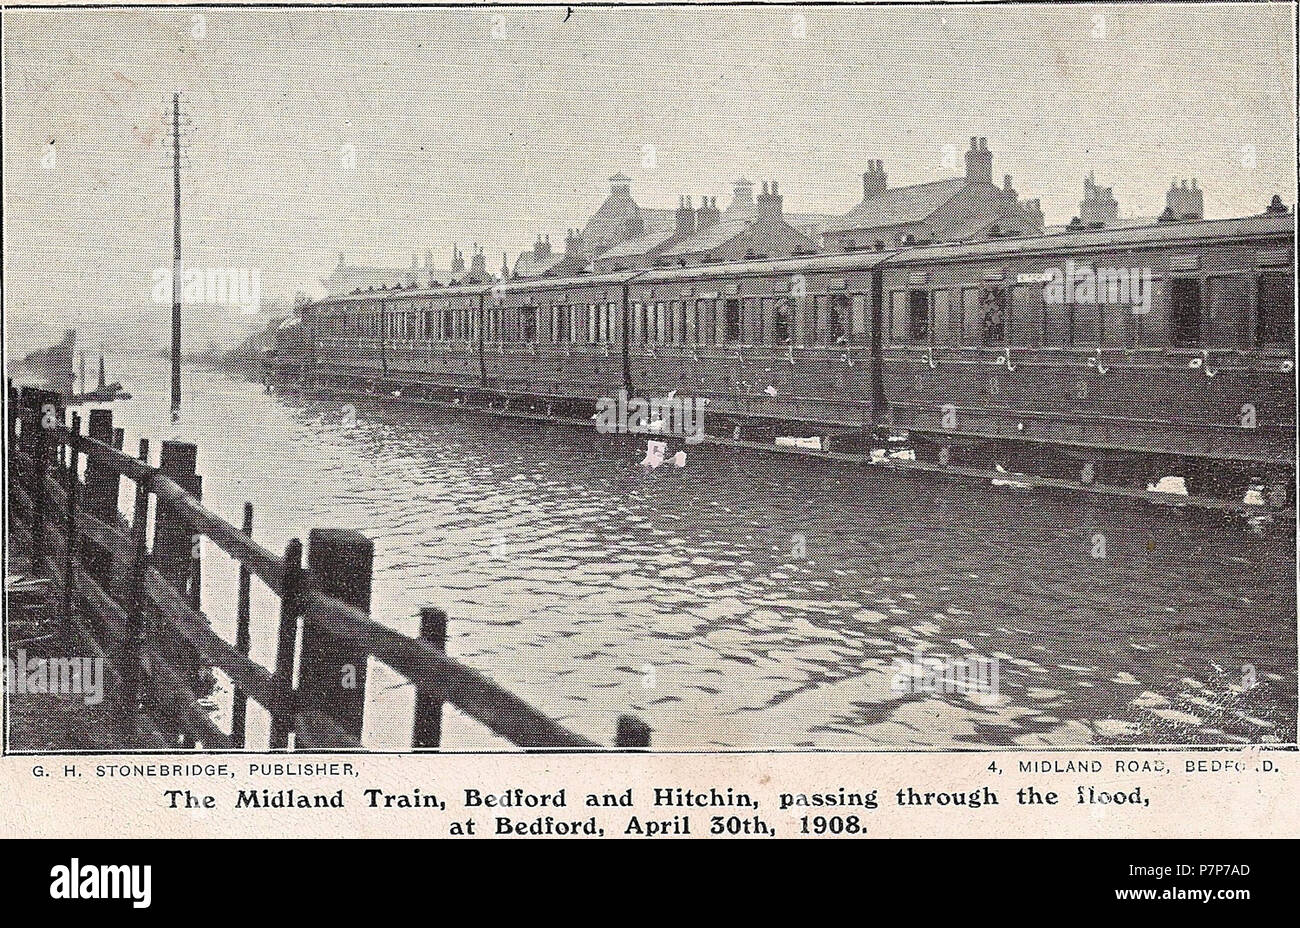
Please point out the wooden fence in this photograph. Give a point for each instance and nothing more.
(137, 604)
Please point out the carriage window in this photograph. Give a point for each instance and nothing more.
(1227, 301)
(993, 317)
(859, 320)
(837, 307)
(561, 323)
(733, 320)
(1274, 309)
(781, 320)
(751, 322)
(939, 299)
(918, 316)
(1185, 312)
(528, 323)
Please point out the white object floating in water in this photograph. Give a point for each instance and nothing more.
(654, 454)
(791, 441)
(770, 390)
(679, 459)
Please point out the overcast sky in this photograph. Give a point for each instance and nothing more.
(466, 133)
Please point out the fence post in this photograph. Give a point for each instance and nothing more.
(133, 659)
(196, 555)
(282, 715)
(243, 636)
(332, 673)
(70, 548)
(40, 453)
(428, 707)
(632, 733)
(101, 483)
(172, 547)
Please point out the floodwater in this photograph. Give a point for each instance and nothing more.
(753, 600)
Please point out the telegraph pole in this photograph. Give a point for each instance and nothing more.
(176, 256)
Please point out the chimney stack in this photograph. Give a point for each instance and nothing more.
(874, 181)
(708, 213)
(573, 244)
(1034, 208)
(769, 202)
(742, 197)
(478, 262)
(457, 260)
(1184, 202)
(685, 217)
(979, 162)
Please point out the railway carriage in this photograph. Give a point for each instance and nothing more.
(1115, 355)
(557, 340)
(764, 341)
(1133, 351)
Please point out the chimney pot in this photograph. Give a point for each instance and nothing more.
(974, 143)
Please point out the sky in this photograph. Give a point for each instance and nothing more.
(490, 126)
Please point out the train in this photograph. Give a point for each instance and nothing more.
(1109, 355)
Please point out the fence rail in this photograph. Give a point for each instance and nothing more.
(135, 600)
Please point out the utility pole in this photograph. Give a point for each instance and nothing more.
(176, 256)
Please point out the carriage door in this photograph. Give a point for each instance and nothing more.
(1185, 312)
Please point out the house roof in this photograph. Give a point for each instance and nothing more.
(659, 220)
(898, 206)
(608, 225)
(641, 244)
(722, 231)
(529, 266)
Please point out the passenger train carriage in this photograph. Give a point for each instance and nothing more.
(1119, 355)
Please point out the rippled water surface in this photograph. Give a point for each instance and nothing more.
(753, 600)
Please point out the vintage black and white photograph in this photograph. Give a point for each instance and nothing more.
(670, 378)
